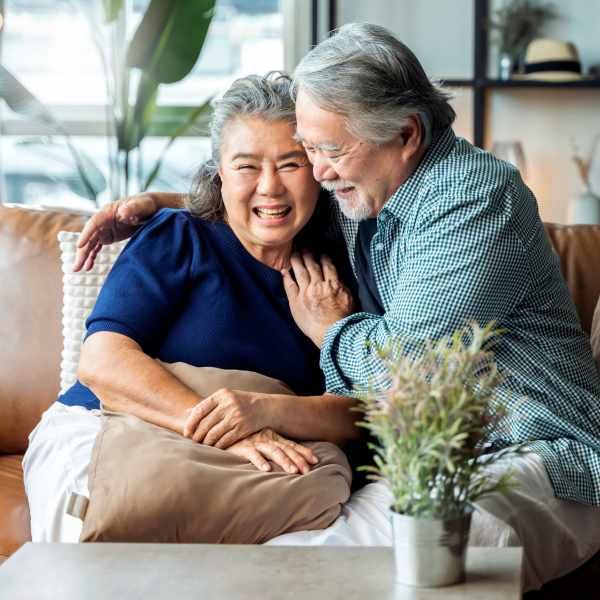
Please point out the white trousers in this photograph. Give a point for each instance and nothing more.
(557, 536)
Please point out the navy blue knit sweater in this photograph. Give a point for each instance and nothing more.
(187, 290)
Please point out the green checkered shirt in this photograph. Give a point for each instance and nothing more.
(462, 240)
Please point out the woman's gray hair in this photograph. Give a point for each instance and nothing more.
(267, 97)
(367, 75)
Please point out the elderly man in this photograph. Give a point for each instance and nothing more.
(442, 233)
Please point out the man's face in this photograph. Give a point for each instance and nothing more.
(362, 175)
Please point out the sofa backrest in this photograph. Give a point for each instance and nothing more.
(31, 301)
(578, 248)
(30, 318)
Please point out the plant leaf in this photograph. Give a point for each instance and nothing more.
(112, 8)
(23, 102)
(123, 110)
(168, 41)
(143, 111)
(195, 114)
(62, 154)
(171, 121)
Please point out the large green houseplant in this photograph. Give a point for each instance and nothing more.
(163, 50)
(431, 417)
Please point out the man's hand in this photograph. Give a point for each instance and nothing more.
(317, 298)
(114, 222)
(267, 445)
(226, 417)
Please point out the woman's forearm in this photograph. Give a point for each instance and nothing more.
(125, 379)
(167, 199)
(326, 418)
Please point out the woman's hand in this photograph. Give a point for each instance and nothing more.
(317, 298)
(226, 417)
(114, 222)
(266, 445)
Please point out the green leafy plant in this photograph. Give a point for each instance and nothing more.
(517, 23)
(163, 50)
(431, 416)
(23, 102)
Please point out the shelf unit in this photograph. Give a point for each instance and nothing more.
(480, 83)
(324, 19)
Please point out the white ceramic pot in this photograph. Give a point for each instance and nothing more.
(430, 552)
(585, 209)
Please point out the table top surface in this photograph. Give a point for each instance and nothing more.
(181, 571)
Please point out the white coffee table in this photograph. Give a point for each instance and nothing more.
(207, 572)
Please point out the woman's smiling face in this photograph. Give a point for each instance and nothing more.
(267, 185)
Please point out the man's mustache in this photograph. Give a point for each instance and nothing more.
(338, 184)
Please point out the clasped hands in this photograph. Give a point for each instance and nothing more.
(238, 422)
(228, 419)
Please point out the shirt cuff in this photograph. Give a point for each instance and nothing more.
(335, 380)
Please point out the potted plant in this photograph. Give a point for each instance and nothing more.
(431, 416)
(514, 25)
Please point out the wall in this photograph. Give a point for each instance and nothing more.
(440, 32)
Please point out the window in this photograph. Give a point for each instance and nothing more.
(51, 47)
(43, 172)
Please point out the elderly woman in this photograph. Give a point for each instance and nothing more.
(205, 288)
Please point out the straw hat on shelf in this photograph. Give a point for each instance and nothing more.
(547, 59)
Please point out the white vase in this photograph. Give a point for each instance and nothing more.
(430, 552)
(585, 209)
(505, 66)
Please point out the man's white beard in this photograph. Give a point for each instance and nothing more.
(356, 208)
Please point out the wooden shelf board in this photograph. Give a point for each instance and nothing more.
(531, 83)
(458, 82)
(521, 83)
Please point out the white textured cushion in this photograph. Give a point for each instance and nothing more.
(80, 291)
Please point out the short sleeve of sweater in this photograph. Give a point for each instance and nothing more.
(149, 282)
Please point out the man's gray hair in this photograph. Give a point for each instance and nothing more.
(364, 73)
(267, 97)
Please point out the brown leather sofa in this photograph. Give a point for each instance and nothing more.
(30, 347)
(30, 334)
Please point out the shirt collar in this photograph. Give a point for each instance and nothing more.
(400, 202)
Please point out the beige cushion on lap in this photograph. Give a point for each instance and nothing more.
(148, 484)
(206, 380)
